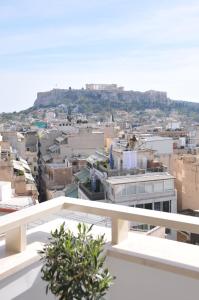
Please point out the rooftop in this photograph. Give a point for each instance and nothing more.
(18, 202)
(136, 260)
(139, 178)
(56, 165)
(156, 138)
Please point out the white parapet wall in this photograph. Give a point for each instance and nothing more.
(5, 191)
(134, 280)
(145, 267)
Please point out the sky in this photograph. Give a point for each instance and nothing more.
(141, 45)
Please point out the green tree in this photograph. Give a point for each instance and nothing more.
(74, 265)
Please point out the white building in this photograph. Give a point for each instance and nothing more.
(148, 190)
(162, 145)
(50, 115)
(10, 202)
(154, 191)
(174, 125)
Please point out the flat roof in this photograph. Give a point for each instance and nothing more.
(2, 183)
(156, 138)
(57, 165)
(150, 251)
(19, 201)
(139, 178)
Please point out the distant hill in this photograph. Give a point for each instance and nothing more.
(100, 101)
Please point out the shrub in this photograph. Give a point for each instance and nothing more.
(74, 265)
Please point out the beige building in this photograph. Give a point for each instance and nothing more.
(85, 143)
(17, 172)
(31, 144)
(56, 177)
(110, 132)
(17, 192)
(16, 141)
(186, 170)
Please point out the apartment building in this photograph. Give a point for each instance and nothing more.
(31, 150)
(18, 198)
(85, 142)
(16, 141)
(185, 168)
(161, 145)
(64, 154)
(16, 178)
(154, 191)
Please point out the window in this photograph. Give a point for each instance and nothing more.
(158, 186)
(166, 206)
(141, 227)
(169, 185)
(121, 190)
(149, 187)
(131, 189)
(148, 206)
(140, 205)
(157, 206)
(113, 192)
(141, 188)
(167, 230)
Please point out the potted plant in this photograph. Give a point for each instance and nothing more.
(73, 265)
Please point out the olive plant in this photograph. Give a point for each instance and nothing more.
(73, 265)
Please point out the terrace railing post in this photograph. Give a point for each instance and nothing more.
(119, 230)
(16, 239)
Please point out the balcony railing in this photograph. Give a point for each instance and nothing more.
(133, 258)
(91, 195)
(14, 225)
(123, 172)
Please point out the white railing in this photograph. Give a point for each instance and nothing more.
(14, 225)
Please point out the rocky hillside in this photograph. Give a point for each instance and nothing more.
(99, 101)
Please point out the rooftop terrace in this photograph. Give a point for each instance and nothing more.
(166, 269)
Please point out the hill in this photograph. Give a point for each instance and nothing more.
(94, 101)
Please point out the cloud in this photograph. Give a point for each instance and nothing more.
(168, 27)
(141, 47)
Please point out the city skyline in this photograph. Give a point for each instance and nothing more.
(57, 44)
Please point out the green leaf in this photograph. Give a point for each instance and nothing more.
(73, 266)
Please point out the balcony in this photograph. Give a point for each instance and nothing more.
(116, 172)
(86, 189)
(146, 267)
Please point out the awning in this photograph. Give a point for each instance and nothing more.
(60, 139)
(53, 148)
(17, 165)
(46, 157)
(72, 191)
(29, 177)
(25, 164)
(92, 159)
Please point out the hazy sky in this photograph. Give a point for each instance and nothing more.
(141, 45)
